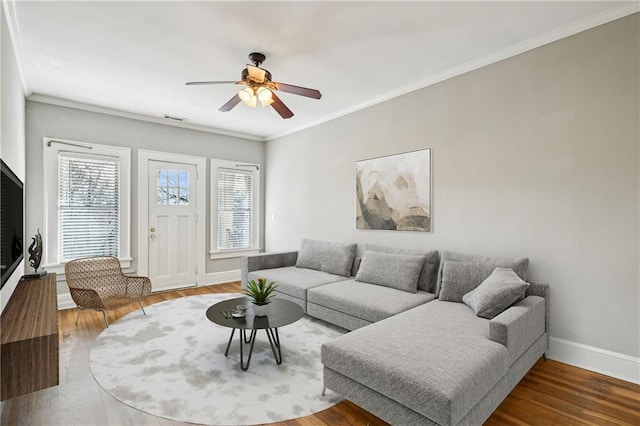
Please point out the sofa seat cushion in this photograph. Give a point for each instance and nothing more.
(295, 281)
(369, 302)
(439, 369)
(455, 318)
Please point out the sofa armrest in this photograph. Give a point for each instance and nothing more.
(520, 326)
(265, 261)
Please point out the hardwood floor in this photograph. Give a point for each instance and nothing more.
(552, 393)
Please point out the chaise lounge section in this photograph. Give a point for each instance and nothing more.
(438, 364)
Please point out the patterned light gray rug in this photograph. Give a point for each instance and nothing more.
(171, 363)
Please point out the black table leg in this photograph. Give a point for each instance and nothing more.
(274, 341)
(243, 338)
(233, 330)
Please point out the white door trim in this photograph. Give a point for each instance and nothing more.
(144, 156)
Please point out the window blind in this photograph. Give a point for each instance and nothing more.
(235, 209)
(88, 203)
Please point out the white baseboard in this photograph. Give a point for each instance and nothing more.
(65, 301)
(222, 277)
(614, 364)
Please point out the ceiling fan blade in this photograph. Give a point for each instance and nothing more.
(297, 90)
(280, 107)
(257, 74)
(198, 83)
(230, 104)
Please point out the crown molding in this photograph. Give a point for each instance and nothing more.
(16, 41)
(530, 44)
(44, 99)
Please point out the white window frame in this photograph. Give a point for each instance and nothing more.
(254, 169)
(52, 148)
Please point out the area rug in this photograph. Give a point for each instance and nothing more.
(171, 363)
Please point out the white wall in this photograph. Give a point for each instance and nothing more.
(12, 141)
(46, 120)
(534, 156)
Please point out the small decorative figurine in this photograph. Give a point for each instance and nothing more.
(35, 256)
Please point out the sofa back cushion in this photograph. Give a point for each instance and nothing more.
(399, 271)
(427, 279)
(520, 265)
(355, 266)
(459, 278)
(333, 258)
(495, 294)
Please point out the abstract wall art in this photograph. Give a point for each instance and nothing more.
(394, 192)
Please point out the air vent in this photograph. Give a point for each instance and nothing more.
(171, 117)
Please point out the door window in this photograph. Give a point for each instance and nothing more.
(173, 187)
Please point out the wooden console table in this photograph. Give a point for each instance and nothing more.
(29, 338)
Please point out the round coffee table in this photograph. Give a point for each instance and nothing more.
(281, 313)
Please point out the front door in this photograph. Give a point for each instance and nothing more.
(172, 224)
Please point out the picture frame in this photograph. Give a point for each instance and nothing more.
(394, 193)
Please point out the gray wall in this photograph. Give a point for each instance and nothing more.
(45, 120)
(12, 142)
(533, 156)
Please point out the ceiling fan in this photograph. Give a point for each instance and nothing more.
(260, 88)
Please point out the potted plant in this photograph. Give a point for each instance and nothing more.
(261, 293)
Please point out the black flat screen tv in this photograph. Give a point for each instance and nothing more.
(11, 222)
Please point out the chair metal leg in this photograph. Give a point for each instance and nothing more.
(141, 307)
(105, 319)
(324, 390)
(77, 318)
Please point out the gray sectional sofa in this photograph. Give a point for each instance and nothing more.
(436, 337)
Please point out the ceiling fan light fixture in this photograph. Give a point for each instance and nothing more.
(265, 96)
(247, 97)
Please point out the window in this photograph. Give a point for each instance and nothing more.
(87, 202)
(235, 208)
(89, 209)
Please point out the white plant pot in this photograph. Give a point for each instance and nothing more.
(260, 310)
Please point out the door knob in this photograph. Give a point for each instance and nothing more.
(152, 229)
(152, 236)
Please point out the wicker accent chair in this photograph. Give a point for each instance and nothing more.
(98, 283)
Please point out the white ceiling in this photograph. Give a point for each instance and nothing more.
(136, 56)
